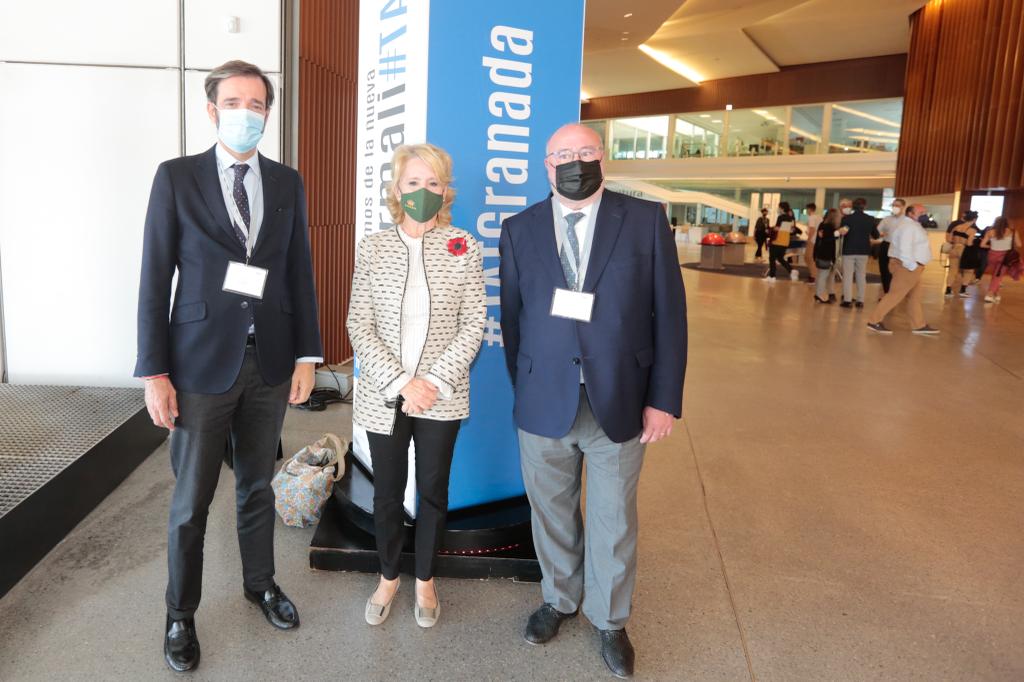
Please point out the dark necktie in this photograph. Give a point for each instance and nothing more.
(241, 200)
(571, 256)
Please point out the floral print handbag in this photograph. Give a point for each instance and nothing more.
(306, 480)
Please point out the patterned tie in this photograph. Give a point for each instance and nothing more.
(241, 200)
(573, 251)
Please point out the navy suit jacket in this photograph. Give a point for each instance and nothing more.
(633, 351)
(201, 342)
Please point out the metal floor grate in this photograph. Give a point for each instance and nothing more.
(43, 429)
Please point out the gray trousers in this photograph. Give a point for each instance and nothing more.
(855, 266)
(251, 413)
(593, 564)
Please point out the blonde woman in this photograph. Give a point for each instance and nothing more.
(416, 321)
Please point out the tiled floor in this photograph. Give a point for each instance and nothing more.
(837, 506)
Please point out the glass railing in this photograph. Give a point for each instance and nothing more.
(861, 127)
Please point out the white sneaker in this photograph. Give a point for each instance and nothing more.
(998, 298)
(990, 299)
(769, 278)
(794, 275)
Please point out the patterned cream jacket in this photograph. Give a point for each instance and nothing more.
(458, 311)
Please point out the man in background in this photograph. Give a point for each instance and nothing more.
(885, 229)
(857, 229)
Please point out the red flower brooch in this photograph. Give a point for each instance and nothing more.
(457, 246)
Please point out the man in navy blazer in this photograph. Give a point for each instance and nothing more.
(238, 345)
(593, 318)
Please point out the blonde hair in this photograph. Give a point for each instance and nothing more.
(439, 161)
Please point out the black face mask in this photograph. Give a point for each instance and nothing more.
(578, 180)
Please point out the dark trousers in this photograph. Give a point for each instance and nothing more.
(777, 254)
(883, 266)
(435, 444)
(251, 413)
(760, 239)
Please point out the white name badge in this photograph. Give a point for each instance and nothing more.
(574, 305)
(247, 280)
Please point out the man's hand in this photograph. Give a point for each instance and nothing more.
(420, 395)
(657, 425)
(162, 402)
(302, 382)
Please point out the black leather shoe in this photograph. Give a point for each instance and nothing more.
(617, 652)
(846, 304)
(278, 609)
(859, 304)
(544, 623)
(181, 645)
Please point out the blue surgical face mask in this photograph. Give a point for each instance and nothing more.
(240, 129)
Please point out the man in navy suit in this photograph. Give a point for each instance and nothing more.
(593, 318)
(239, 344)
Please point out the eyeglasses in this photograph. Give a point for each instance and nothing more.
(584, 154)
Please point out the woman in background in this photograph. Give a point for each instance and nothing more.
(999, 239)
(825, 257)
(960, 237)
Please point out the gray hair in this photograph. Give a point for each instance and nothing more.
(236, 67)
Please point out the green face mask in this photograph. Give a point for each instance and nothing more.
(422, 205)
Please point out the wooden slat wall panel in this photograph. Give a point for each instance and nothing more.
(964, 101)
(850, 79)
(328, 63)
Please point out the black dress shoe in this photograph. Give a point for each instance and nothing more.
(278, 609)
(846, 304)
(617, 652)
(859, 304)
(181, 645)
(544, 623)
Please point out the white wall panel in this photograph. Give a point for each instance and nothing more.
(74, 185)
(208, 44)
(200, 133)
(128, 32)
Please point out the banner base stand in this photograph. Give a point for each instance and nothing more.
(488, 541)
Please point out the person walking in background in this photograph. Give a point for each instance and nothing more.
(1000, 241)
(778, 241)
(416, 321)
(761, 228)
(857, 229)
(959, 238)
(813, 222)
(238, 346)
(593, 317)
(910, 252)
(825, 256)
(885, 228)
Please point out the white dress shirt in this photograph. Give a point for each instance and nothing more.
(813, 223)
(253, 183)
(584, 237)
(888, 224)
(415, 320)
(910, 243)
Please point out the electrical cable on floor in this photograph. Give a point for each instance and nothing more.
(320, 398)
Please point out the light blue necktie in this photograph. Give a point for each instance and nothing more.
(573, 252)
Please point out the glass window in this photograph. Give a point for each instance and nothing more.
(805, 130)
(639, 138)
(697, 135)
(599, 128)
(866, 126)
(757, 132)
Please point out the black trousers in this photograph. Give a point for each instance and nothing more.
(435, 445)
(777, 254)
(883, 266)
(760, 239)
(251, 413)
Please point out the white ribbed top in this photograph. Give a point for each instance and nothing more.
(1004, 244)
(415, 306)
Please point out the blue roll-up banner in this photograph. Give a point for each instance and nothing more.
(489, 83)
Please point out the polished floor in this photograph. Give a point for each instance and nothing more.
(836, 505)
